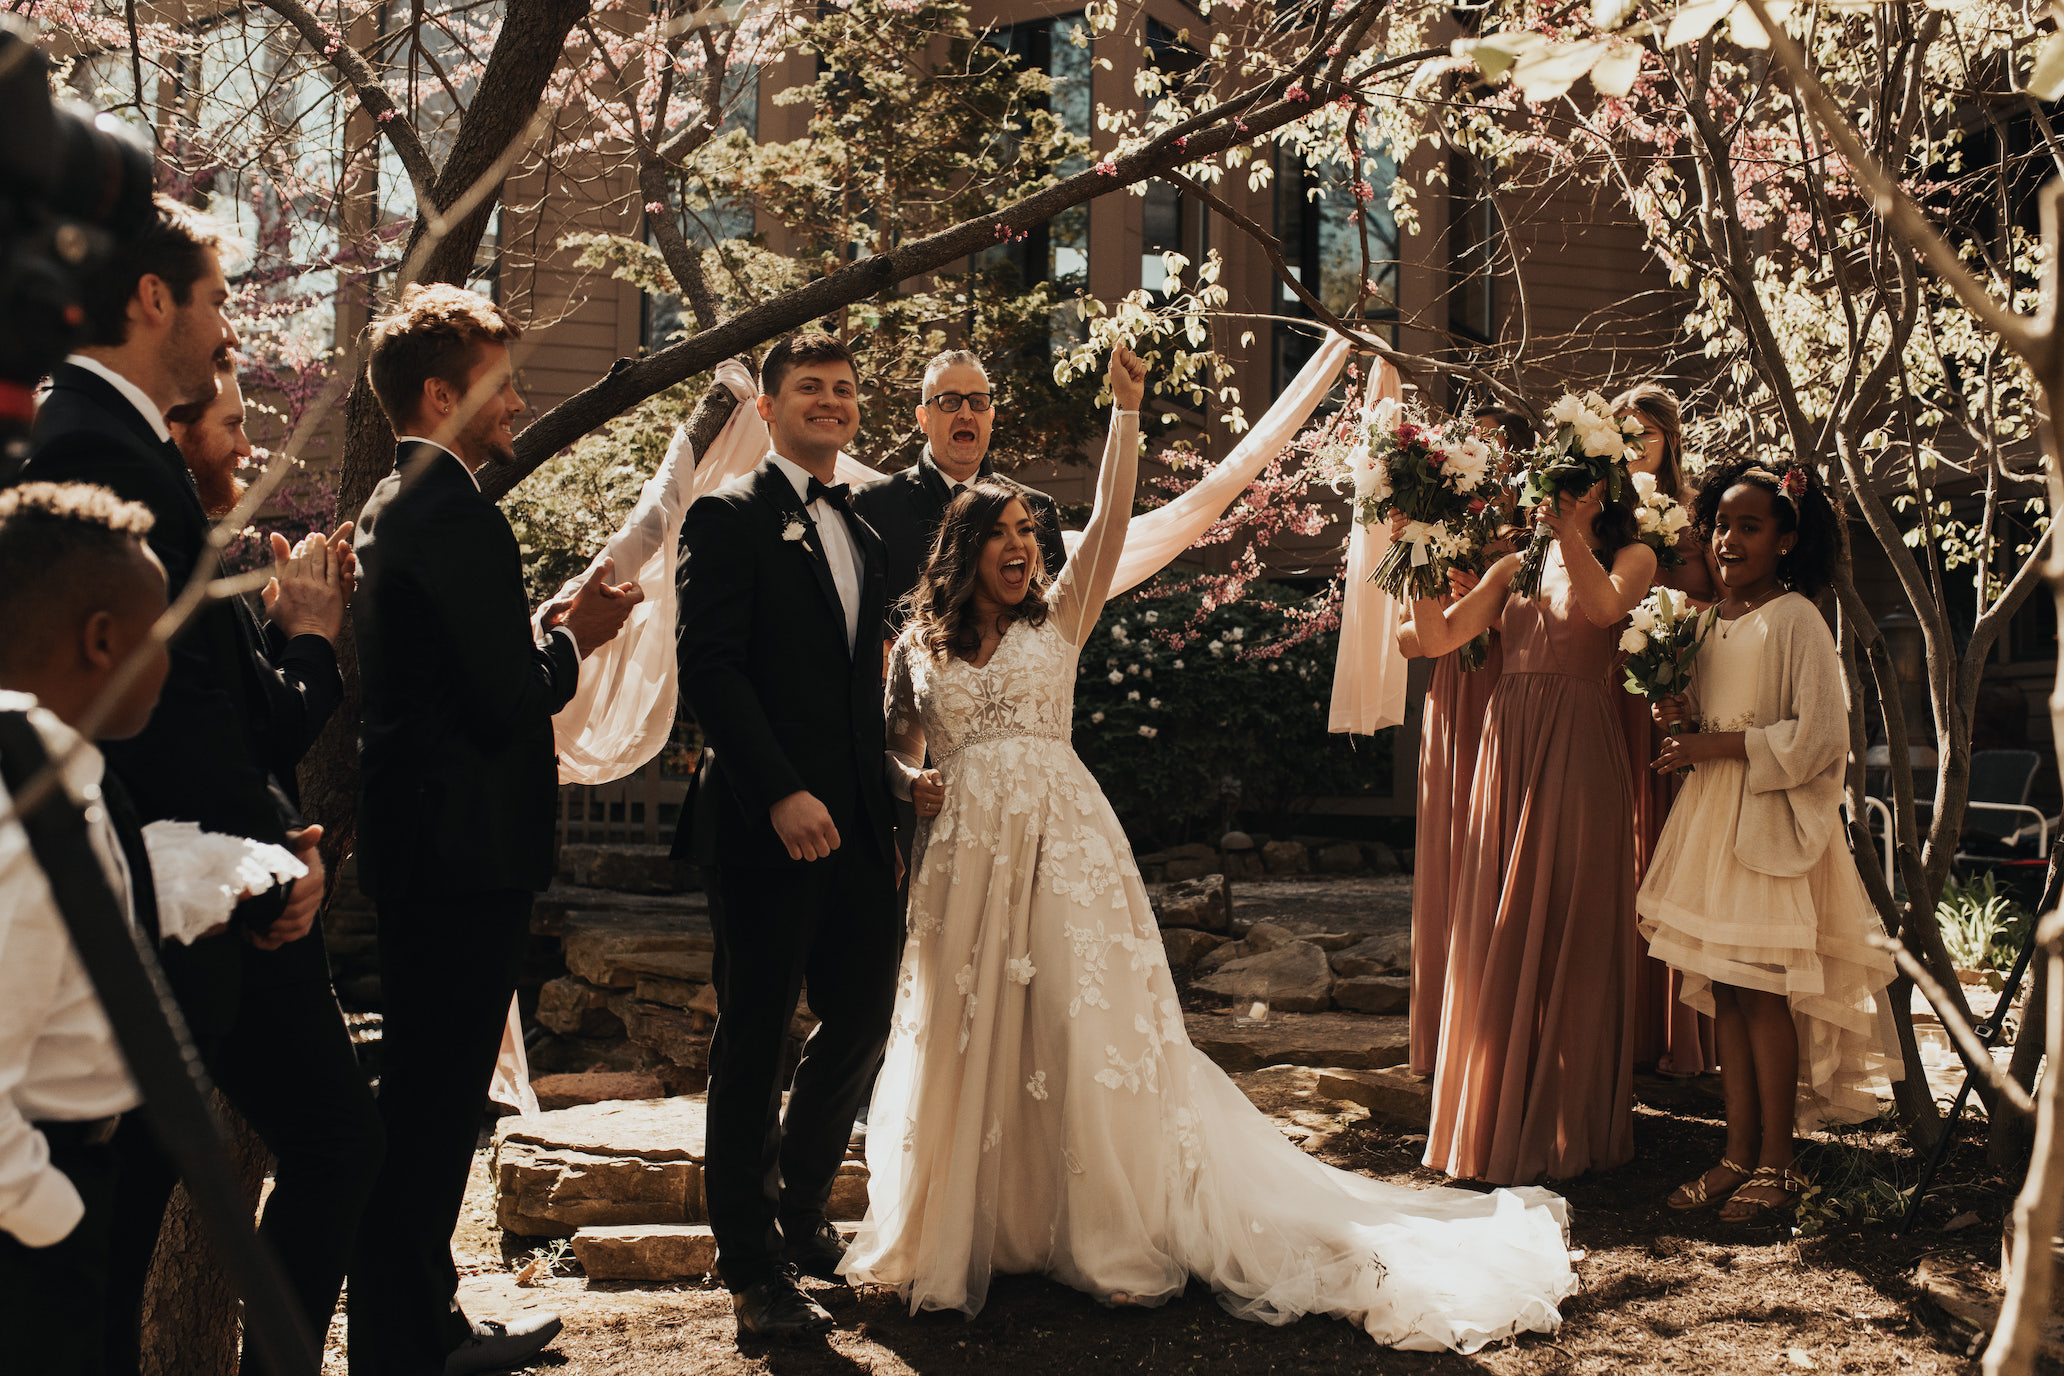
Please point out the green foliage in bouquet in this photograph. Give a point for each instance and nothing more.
(1590, 446)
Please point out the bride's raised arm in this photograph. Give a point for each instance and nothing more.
(1085, 583)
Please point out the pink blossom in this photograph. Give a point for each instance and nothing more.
(654, 208)
(1297, 92)
(1107, 168)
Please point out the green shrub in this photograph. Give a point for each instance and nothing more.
(1982, 924)
(1186, 715)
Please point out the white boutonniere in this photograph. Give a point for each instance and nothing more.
(795, 529)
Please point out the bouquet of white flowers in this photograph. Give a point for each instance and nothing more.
(1663, 637)
(1590, 446)
(1437, 481)
(1660, 520)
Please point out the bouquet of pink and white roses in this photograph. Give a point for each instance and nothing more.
(1440, 482)
(1660, 519)
(1663, 636)
(1591, 445)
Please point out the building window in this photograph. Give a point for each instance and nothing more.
(1472, 251)
(1169, 221)
(1324, 212)
(1057, 251)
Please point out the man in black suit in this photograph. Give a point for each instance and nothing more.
(905, 508)
(458, 794)
(782, 601)
(257, 998)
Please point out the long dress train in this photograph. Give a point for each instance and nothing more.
(1536, 1071)
(1041, 1108)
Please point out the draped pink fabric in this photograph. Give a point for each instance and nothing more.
(1368, 671)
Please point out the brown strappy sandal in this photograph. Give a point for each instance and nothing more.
(1762, 1211)
(1695, 1195)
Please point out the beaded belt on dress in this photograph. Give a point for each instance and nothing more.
(998, 733)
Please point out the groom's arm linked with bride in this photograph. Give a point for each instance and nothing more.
(782, 603)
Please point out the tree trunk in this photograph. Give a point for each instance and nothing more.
(191, 1320)
(2012, 1136)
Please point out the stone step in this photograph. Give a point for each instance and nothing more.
(652, 1252)
(615, 1164)
(618, 865)
(610, 949)
(548, 915)
(1393, 1094)
(1352, 1041)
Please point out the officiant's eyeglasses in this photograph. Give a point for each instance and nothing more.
(949, 402)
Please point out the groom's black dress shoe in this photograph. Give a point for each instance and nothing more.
(776, 1309)
(815, 1252)
(501, 1346)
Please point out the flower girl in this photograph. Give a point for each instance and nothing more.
(1752, 894)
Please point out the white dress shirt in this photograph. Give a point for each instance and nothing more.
(132, 393)
(541, 631)
(58, 1058)
(840, 549)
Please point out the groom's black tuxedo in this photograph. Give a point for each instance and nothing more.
(787, 705)
(455, 837)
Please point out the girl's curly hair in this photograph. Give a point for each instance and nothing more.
(939, 607)
(1802, 508)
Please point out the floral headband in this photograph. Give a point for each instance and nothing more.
(1791, 484)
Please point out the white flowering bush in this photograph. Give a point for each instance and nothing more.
(1185, 712)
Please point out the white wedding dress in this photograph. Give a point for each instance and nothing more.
(1041, 1108)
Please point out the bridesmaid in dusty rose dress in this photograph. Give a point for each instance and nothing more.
(1535, 1070)
(1669, 1035)
(1448, 736)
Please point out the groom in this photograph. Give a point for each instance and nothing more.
(781, 631)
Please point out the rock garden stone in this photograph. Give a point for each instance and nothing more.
(1393, 1093)
(1236, 840)
(1353, 1041)
(1285, 857)
(1205, 903)
(574, 1008)
(1380, 858)
(1293, 977)
(1220, 956)
(616, 1164)
(568, 1091)
(1185, 944)
(647, 1251)
(1266, 936)
(1342, 857)
(1374, 993)
(612, 949)
(1378, 955)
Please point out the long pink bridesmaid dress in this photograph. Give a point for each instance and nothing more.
(1448, 736)
(1535, 1071)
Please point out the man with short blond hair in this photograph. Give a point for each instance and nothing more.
(459, 785)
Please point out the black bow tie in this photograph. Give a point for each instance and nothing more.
(835, 494)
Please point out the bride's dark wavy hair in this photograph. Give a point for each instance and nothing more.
(939, 605)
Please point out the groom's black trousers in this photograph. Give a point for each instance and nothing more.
(831, 925)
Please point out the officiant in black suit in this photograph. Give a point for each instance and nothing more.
(256, 999)
(781, 635)
(459, 790)
(957, 412)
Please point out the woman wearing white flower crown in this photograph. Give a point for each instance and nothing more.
(1535, 1072)
(1041, 1108)
(1672, 1037)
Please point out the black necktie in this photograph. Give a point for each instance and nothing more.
(835, 494)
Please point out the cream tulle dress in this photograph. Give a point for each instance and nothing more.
(1805, 936)
(1041, 1109)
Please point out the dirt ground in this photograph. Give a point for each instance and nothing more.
(1661, 1291)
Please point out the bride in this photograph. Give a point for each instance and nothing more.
(1041, 1108)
